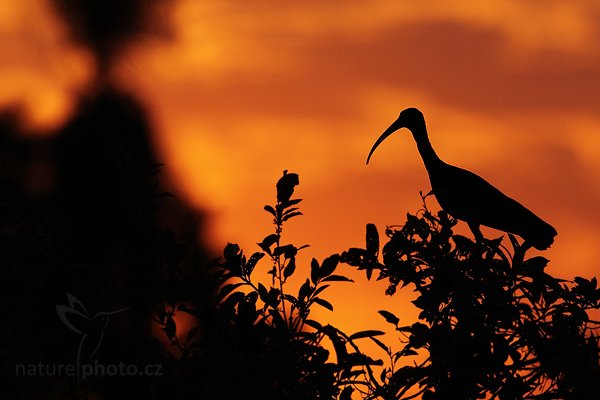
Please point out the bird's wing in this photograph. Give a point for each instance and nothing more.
(471, 198)
(464, 194)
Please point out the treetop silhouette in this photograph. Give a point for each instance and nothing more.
(492, 322)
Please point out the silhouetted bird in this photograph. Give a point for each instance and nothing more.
(469, 197)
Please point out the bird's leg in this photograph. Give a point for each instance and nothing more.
(427, 195)
(424, 197)
(476, 232)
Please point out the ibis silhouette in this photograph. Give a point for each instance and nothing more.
(468, 197)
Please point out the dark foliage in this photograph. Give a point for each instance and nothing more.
(492, 323)
(258, 340)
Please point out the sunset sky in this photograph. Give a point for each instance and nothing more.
(239, 91)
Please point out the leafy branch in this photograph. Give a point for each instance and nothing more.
(270, 325)
(492, 324)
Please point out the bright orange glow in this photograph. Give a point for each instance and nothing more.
(245, 90)
(184, 323)
(237, 105)
(41, 71)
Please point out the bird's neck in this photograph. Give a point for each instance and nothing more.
(430, 158)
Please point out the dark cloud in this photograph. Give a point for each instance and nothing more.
(451, 63)
(465, 66)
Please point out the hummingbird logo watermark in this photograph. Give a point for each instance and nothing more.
(91, 328)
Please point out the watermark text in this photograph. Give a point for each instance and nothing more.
(95, 369)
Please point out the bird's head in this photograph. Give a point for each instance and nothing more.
(410, 118)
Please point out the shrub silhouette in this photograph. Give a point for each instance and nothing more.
(258, 341)
(492, 322)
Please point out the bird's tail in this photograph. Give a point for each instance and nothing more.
(539, 234)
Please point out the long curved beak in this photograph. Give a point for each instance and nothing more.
(397, 124)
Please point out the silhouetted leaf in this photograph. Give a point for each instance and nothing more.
(336, 278)
(273, 298)
(389, 317)
(291, 215)
(314, 271)
(285, 186)
(290, 268)
(292, 202)
(380, 344)
(254, 259)
(247, 308)
(338, 342)
(360, 359)
(323, 303)
(348, 374)
(290, 211)
(225, 290)
(278, 320)
(313, 324)
(268, 241)
(354, 256)
(287, 250)
(495, 243)
(329, 265)
(372, 240)
(405, 353)
(263, 293)
(462, 242)
(233, 300)
(304, 290)
(514, 241)
(271, 210)
(364, 334)
(320, 289)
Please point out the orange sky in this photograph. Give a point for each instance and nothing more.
(244, 90)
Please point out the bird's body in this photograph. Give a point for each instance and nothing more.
(468, 197)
